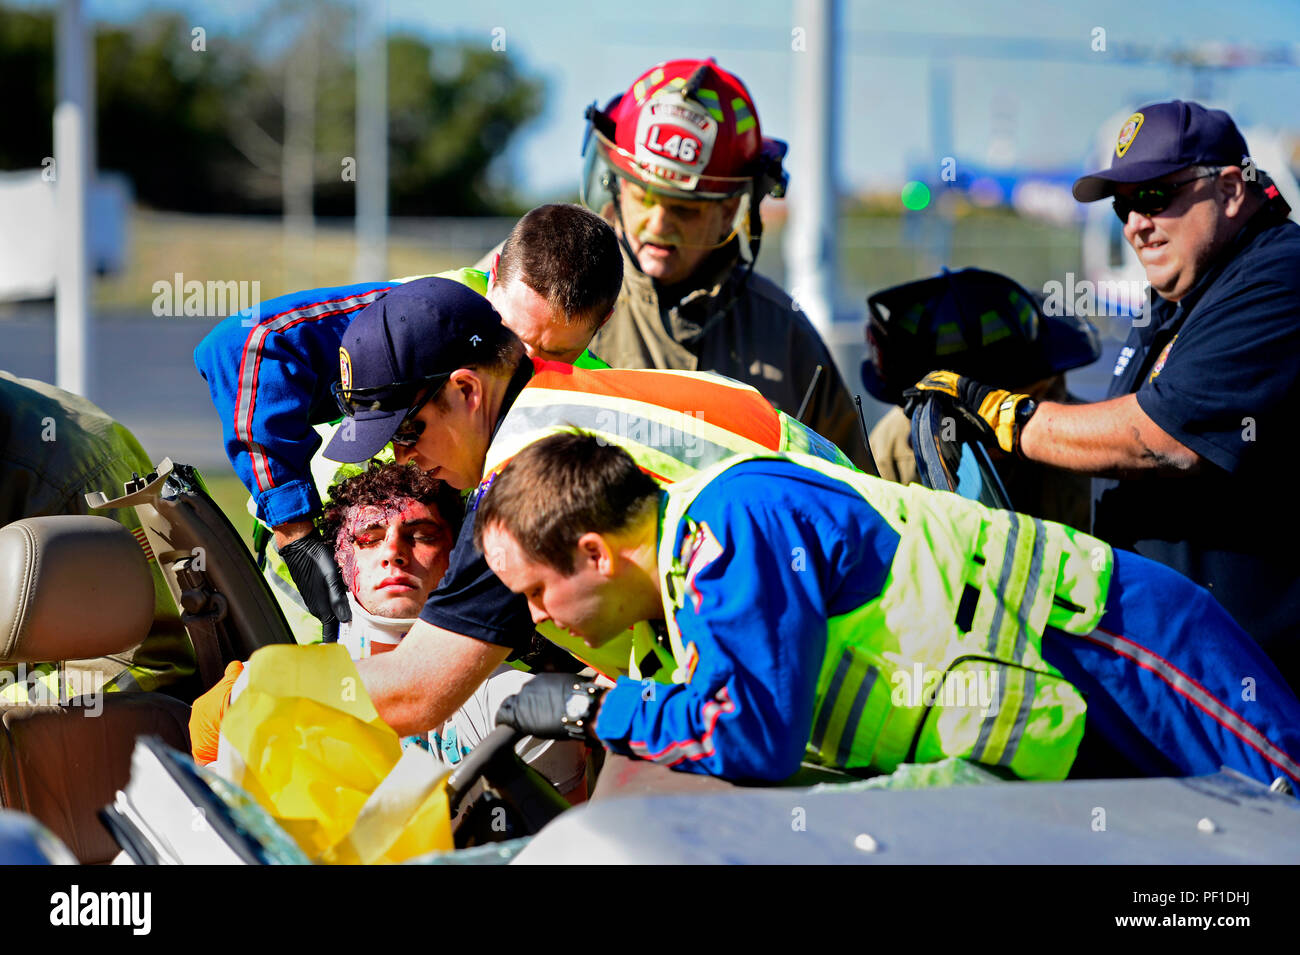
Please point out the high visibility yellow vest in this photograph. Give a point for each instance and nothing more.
(673, 424)
(947, 659)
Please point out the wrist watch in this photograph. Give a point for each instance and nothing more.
(1024, 411)
(580, 705)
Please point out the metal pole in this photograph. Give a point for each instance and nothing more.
(811, 245)
(71, 185)
(939, 218)
(372, 141)
(297, 171)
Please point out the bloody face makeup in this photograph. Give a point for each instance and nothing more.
(392, 555)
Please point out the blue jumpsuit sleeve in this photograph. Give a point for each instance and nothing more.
(757, 615)
(269, 370)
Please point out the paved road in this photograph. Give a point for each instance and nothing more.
(142, 373)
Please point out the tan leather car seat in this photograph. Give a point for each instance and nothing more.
(75, 587)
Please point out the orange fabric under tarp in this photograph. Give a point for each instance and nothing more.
(207, 713)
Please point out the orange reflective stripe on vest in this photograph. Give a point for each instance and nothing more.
(672, 422)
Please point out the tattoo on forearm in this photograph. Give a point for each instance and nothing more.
(1149, 454)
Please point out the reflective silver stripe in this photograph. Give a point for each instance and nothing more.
(1031, 587)
(845, 749)
(828, 701)
(1199, 696)
(698, 452)
(986, 728)
(1022, 718)
(248, 371)
(695, 748)
(288, 589)
(1008, 560)
(124, 682)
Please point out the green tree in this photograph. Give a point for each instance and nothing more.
(452, 111)
(163, 112)
(202, 130)
(27, 134)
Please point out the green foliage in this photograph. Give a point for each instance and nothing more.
(27, 135)
(452, 111)
(202, 130)
(162, 114)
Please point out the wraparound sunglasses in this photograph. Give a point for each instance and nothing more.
(1153, 200)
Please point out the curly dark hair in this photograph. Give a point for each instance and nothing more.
(379, 485)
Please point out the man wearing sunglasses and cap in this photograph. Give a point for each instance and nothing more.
(1192, 448)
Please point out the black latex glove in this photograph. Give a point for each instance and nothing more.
(311, 565)
(538, 709)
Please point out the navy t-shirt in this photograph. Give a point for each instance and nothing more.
(471, 599)
(1220, 372)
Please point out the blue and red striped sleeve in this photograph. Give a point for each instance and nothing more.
(794, 548)
(269, 370)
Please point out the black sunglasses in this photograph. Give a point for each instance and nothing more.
(394, 397)
(1153, 200)
(409, 431)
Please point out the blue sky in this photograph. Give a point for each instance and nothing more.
(1004, 108)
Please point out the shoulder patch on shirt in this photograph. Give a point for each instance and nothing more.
(699, 549)
(1160, 362)
(476, 495)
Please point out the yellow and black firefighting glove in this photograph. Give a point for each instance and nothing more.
(996, 415)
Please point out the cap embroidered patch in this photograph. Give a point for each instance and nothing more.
(1127, 133)
(345, 369)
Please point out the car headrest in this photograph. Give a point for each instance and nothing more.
(71, 588)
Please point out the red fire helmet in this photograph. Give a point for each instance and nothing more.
(686, 128)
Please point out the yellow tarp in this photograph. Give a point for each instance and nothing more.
(304, 739)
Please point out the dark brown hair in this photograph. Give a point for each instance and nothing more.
(563, 486)
(569, 256)
(504, 359)
(379, 485)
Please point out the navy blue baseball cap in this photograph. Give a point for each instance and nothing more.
(1164, 138)
(407, 340)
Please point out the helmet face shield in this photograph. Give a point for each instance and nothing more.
(658, 172)
(649, 215)
(678, 161)
(649, 209)
(597, 190)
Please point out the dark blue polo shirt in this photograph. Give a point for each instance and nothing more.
(1220, 372)
(470, 599)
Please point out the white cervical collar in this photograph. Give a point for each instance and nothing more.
(371, 627)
